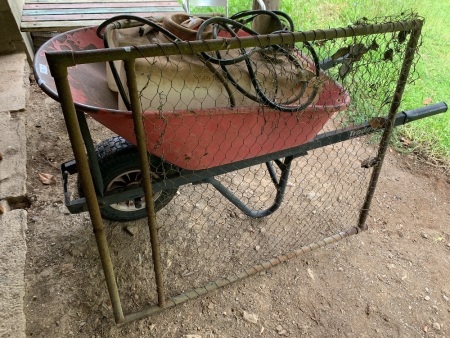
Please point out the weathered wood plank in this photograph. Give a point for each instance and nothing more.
(106, 2)
(77, 17)
(83, 11)
(100, 5)
(62, 26)
(63, 15)
(57, 26)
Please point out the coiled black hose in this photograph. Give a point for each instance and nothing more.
(102, 30)
(232, 25)
(237, 23)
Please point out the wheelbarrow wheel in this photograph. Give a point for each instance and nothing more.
(120, 169)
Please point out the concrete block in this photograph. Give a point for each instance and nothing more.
(13, 249)
(14, 84)
(13, 173)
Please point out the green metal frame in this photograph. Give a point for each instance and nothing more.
(60, 61)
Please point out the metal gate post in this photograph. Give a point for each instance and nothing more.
(146, 178)
(389, 123)
(59, 72)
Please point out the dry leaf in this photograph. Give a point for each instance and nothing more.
(427, 101)
(345, 68)
(340, 53)
(47, 179)
(370, 162)
(388, 55)
(378, 122)
(402, 36)
(405, 142)
(305, 75)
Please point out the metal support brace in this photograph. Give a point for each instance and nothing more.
(390, 123)
(146, 178)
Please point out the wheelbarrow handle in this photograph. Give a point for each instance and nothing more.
(423, 112)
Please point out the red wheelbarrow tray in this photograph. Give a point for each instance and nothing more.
(190, 139)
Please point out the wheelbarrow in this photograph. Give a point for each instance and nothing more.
(158, 150)
(191, 146)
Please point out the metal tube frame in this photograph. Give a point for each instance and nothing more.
(146, 178)
(60, 61)
(389, 123)
(87, 184)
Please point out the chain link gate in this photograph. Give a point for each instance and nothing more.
(263, 147)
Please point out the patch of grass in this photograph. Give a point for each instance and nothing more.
(433, 83)
(431, 135)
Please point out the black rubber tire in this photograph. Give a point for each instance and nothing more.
(118, 158)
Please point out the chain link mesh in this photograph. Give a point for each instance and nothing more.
(236, 118)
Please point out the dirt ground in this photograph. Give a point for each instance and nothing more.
(389, 281)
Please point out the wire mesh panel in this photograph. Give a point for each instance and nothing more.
(258, 148)
(212, 109)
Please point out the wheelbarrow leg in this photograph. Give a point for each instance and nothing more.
(90, 150)
(280, 185)
(272, 172)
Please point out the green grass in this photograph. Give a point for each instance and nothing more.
(430, 136)
(433, 134)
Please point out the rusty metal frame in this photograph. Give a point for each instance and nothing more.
(60, 61)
